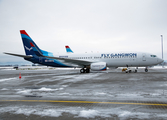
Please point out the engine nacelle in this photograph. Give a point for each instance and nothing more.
(98, 66)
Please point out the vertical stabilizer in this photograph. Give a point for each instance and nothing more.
(27, 43)
(30, 47)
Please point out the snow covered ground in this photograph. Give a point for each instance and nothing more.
(68, 84)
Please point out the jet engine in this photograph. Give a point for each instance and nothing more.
(98, 66)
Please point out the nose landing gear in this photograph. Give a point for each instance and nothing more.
(146, 69)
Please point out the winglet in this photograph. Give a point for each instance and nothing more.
(68, 50)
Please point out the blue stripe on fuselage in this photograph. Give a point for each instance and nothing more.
(46, 61)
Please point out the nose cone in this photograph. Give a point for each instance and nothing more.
(160, 60)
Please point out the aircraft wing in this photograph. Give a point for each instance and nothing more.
(72, 61)
(18, 55)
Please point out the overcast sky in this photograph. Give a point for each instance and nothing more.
(84, 25)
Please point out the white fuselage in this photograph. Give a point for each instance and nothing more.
(134, 59)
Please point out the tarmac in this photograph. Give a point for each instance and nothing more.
(67, 94)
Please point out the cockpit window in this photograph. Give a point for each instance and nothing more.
(153, 56)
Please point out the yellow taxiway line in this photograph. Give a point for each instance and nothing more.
(59, 101)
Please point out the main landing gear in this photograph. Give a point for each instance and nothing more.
(146, 69)
(85, 70)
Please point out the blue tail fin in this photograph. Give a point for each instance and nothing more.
(30, 47)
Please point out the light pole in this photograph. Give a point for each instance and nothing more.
(162, 48)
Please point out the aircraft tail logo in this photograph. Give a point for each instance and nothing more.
(29, 49)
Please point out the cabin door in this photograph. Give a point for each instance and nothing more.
(144, 57)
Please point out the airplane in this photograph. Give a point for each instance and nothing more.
(68, 49)
(86, 61)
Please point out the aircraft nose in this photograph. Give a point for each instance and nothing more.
(160, 60)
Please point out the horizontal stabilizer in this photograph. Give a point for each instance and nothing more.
(18, 55)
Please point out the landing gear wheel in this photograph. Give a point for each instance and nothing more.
(146, 70)
(87, 70)
(135, 71)
(82, 70)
